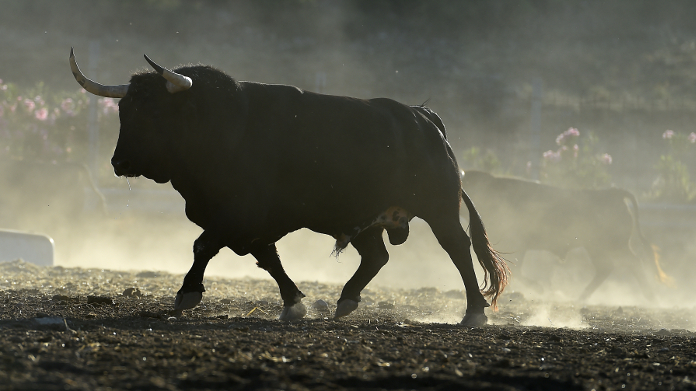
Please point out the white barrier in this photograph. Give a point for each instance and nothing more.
(32, 248)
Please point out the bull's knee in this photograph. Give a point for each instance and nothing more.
(376, 260)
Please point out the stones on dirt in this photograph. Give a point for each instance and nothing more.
(132, 292)
(100, 300)
(320, 306)
(65, 299)
(455, 294)
(147, 274)
(385, 305)
(48, 320)
(154, 315)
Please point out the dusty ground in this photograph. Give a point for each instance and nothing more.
(90, 329)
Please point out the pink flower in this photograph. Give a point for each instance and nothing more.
(571, 132)
(606, 158)
(41, 114)
(29, 105)
(108, 105)
(692, 138)
(667, 134)
(552, 156)
(67, 105)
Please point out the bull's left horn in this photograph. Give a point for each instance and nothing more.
(175, 81)
(94, 87)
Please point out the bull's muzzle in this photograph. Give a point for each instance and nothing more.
(121, 167)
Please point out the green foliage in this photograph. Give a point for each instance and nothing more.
(576, 163)
(673, 183)
(476, 159)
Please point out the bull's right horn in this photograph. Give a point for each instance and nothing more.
(175, 81)
(94, 87)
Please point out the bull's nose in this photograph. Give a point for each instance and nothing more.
(120, 166)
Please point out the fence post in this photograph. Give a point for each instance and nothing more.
(535, 128)
(92, 117)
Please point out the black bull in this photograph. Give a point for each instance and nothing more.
(531, 216)
(255, 162)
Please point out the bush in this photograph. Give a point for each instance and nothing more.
(476, 159)
(576, 163)
(37, 124)
(673, 183)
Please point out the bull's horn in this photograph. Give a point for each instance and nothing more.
(94, 87)
(175, 81)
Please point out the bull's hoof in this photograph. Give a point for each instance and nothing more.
(294, 312)
(186, 301)
(345, 307)
(474, 320)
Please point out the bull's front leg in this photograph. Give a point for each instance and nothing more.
(191, 293)
(267, 258)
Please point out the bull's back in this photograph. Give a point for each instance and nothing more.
(523, 215)
(345, 155)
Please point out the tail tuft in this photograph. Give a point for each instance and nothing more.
(495, 269)
(661, 275)
(649, 249)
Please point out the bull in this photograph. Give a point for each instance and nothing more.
(543, 217)
(255, 162)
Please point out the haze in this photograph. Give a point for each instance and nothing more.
(623, 71)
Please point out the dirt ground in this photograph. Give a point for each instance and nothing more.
(94, 329)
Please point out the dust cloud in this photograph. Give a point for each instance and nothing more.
(625, 80)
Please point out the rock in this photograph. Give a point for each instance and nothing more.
(132, 292)
(321, 306)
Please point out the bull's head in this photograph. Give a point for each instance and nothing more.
(147, 114)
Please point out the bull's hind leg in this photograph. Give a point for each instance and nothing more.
(604, 265)
(374, 255)
(456, 243)
(605, 262)
(267, 258)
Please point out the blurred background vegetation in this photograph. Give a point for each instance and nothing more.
(621, 71)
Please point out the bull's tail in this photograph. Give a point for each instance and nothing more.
(495, 269)
(648, 248)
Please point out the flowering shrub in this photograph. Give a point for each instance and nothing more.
(36, 124)
(673, 183)
(576, 163)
